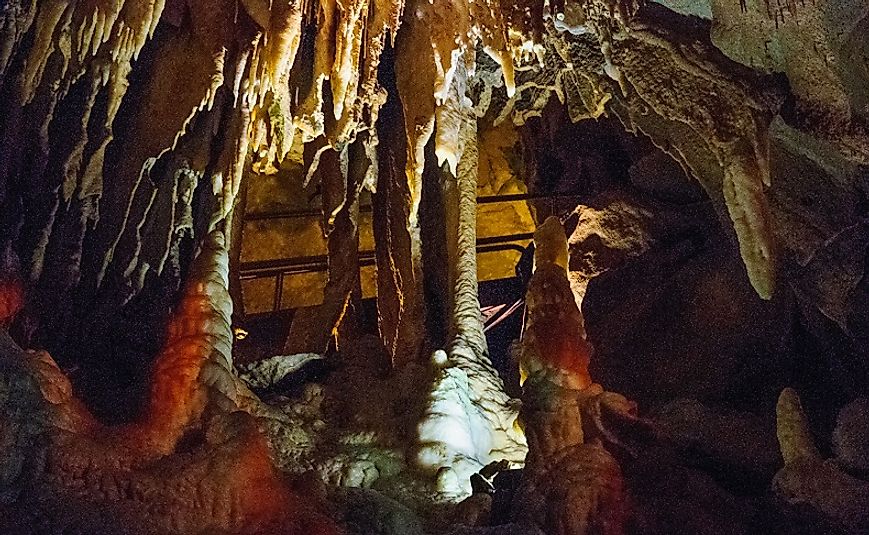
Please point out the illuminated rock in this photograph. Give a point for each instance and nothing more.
(138, 474)
(554, 331)
(469, 420)
(571, 483)
(129, 130)
(11, 299)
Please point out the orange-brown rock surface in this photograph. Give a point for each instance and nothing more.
(571, 483)
(145, 476)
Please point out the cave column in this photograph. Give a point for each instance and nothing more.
(467, 346)
(460, 194)
(455, 444)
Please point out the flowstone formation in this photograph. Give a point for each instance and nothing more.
(707, 166)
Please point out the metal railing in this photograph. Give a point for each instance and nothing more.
(488, 199)
(281, 268)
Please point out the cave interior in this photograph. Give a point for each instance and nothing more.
(406, 267)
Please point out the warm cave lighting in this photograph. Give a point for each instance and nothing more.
(434, 267)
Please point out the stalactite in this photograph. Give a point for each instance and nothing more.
(347, 47)
(342, 176)
(123, 26)
(274, 56)
(112, 213)
(16, 17)
(400, 304)
(442, 35)
(227, 181)
(309, 117)
(744, 180)
(345, 69)
(416, 89)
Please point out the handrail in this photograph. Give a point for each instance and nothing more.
(320, 263)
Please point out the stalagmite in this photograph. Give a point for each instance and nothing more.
(808, 482)
(225, 482)
(553, 341)
(571, 483)
(11, 297)
(136, 134)
(794, 436)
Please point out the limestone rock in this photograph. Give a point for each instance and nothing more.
(798, 40)
(661, 176)
(577, 490)
(514, 528)
(808, 482)
(267, 373)
(667, 497)
(610, 230)
(671, 324)
(475, 510)
(851, 436)
(735, 442)
(128, 474)
(371, 512)
(826, 492)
